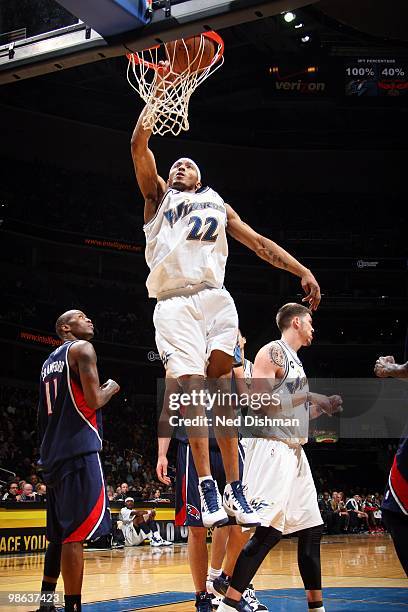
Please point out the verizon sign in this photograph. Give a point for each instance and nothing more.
(303, 87)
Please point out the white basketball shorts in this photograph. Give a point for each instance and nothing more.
(280, 485)
(190, 327)
(132, 538)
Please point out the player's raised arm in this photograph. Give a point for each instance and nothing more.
(274, 254)
(386, 367)
(150, 183)
(84, 362)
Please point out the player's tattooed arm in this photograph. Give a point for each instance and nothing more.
(96, 395)
(275, 255)
(276, 355)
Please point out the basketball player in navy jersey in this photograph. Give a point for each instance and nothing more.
(70, 432)
(195, 318)
(395, 504)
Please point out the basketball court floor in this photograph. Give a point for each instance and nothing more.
(360, 574)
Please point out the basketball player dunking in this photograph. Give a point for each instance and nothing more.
(70, 431)
(195, 317)
(276, 470)
(395, 504)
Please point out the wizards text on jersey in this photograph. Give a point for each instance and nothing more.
(185, 208)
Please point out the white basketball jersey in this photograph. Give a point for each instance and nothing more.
(293, 381)
(186, 242)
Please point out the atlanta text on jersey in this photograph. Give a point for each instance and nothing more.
(54, 366)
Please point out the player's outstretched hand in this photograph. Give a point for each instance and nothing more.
(161, 470)
(164, 77)
(311, 288)
(322, 402)
(381, 368)
(111, 386)
(336, 404)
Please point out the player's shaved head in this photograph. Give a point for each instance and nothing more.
(287, 312)
(67, 318)
(64, 319)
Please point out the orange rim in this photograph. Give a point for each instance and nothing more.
(211, 35)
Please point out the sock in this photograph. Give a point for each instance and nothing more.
(72, 603)
(202, 478)
(231, 602)
(214, 573)
(316, 606)
(48, 587)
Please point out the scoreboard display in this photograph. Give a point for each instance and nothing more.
(374, 77)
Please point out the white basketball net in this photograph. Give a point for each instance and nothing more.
(167, 97)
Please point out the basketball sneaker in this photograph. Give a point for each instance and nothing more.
(220, 585)
(236, 505)
(203, 602)
(166, 543)
(215, 601)
(227, 605)
(212, 511)
(250, 597)
(157, 540)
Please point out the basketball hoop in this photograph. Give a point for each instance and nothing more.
(167, 88)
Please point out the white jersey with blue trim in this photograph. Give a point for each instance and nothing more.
(293, 381)
(186, 242)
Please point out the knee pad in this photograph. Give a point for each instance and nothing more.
(309, 557)
(252, 556)
(263, 540)
(52, 561)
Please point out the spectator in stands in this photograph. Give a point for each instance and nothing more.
(41, 492)
(110, 492)
(12, 493)
(123, 492)
(134, 466)
(28, 494)
(157, 497)
(373, 511)
(341, 516)
(34, 480)
(326, 510)
(358, 518)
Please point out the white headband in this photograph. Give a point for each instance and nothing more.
(192, 162)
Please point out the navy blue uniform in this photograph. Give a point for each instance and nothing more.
(70, 434)
(396, 493)
(395, 503)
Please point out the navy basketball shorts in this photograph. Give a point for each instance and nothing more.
(188, 506)
(77, 504)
